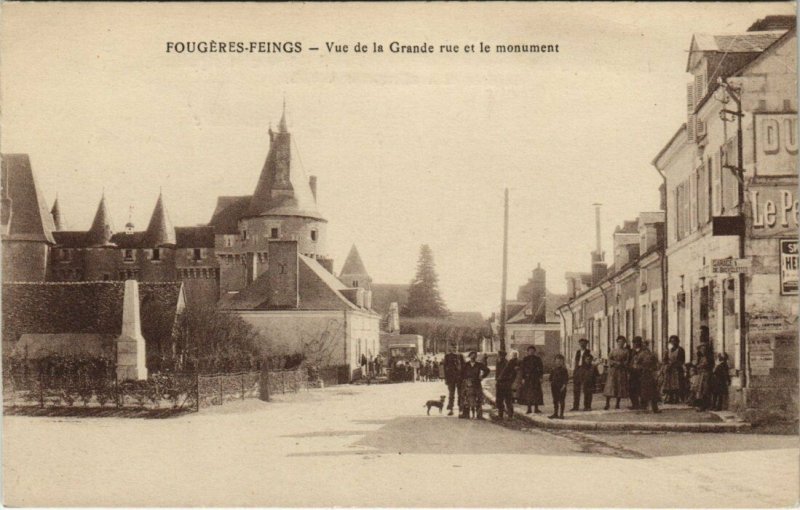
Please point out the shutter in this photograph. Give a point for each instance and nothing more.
(699, 87)
(700, 130)
(690, 121)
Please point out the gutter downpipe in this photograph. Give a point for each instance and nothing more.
(664, 268)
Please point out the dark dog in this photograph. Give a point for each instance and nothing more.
(435, 403)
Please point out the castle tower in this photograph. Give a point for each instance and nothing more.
(284, 203)
(160, 231)
(353, 273)
(26, 226)
(100, 232)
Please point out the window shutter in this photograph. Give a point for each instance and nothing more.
(699, 87)
(690, 121)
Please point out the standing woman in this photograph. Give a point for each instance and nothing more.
(617, 380)
(675, 381)
(532, 370)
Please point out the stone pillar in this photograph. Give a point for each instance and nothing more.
(130, 344)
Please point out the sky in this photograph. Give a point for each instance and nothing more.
(408, 149)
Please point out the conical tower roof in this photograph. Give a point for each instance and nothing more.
(353, 265)
(283, 188)
(55, 212)
(160, 230)
(101, 230)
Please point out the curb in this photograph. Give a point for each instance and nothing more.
(584, 425)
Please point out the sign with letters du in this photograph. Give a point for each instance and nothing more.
(789, 267)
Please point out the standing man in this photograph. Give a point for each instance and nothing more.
(582, 377)
(505, 374)
(635, 376)
(453, 363)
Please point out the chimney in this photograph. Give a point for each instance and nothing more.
(283, 274)
(599, 267)
(312, 181)
(130, 343)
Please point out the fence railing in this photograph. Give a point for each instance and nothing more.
(285, 381)
(217, 389)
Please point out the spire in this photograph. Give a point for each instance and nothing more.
(282, 188)
(55, 212)
(101, 230)
(353, 265)
(160, 230)
(282, 123)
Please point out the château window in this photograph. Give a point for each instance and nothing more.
(197, 254)
(65, 254)
(244, 235)
(128, 255)
(156, 254)
(313, 235)
(274, 233)
(355, 283)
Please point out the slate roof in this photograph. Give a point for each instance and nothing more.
(225, 219)
(523, 313)
(194, 237)
(283, 188)
(159, 231)
(100, 232)
(30, 219)
(86, 307)
(353, 265)
(318, 289)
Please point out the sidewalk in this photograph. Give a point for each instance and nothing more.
(673, 418)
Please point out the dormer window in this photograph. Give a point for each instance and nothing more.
(156, 254)
(355, 283)
(197, 254)
(65, 254)
(127, 255)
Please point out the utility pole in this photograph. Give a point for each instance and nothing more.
(505, 277)
(735, 93)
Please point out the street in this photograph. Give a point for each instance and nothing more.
(375, 446)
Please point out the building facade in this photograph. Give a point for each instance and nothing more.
(623, 299)
(731, 224)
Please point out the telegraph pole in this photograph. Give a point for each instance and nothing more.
(505, 277)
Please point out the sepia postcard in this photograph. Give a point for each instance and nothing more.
(421, 254)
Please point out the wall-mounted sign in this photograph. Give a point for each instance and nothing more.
(789, 267)
(773, 210)
(776, 144)
(729, 266)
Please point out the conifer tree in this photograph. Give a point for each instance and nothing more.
(424, 299)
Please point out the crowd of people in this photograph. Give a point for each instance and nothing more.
(634, 372)
(631, 372)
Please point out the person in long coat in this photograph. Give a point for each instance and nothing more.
(675, 378)
(617, 380)
(532, 370)
(645, 364)
(705, 367)
(472, 374)
(505, 374)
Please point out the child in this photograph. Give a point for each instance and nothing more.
(694, 386)
(720, 380)
(558, 386)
